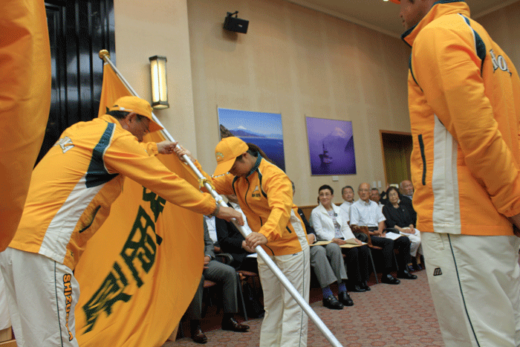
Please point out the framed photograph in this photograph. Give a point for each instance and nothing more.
(259, 128)
(331, 146)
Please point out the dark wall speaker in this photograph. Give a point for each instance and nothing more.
(235, 24)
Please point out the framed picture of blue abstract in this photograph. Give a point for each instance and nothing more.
(331, 146)
(259, 128)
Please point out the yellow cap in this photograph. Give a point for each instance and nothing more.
(227, 150)
(138, 106)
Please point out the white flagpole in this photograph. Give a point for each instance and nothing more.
(105, 56)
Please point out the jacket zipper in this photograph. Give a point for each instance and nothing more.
(423, 156)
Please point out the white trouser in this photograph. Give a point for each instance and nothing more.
(475, 285)
(41, 295)
(415, 242)
(285, 322)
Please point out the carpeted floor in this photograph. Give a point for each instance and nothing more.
(401, 315)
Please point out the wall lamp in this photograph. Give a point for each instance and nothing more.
(159, 85)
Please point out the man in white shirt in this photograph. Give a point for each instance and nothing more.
(407, 189)
(347, 193)
(365, 212)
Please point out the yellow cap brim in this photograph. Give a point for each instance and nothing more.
(224, 167)
(152, 126)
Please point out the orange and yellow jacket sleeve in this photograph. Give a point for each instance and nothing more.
(127, 157)
(279, 198)
(222, 183)
(25, 99)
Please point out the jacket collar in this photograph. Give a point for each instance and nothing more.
(322, 209)
(255, 167)
(440, 8)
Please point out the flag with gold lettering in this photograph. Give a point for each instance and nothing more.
(25, 99)
(140, 271)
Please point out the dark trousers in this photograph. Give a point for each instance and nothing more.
(356, 262)
(402, 244)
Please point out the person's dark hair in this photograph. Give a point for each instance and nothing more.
(293, 187)
(389, 190)
(326, 186)
(377, 190)
(345, 187)
(118, 114)
(123, 114)
(254, 150)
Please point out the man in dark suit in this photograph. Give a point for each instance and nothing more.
(223, 274)
(231, 241)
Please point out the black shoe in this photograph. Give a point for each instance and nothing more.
(389, 279)
(198, 336)
(406, 275)
(357, 288)
(345, 299)
(232, 325)
(332, 303)
(365, 286)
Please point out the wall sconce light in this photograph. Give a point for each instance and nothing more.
(159, 85)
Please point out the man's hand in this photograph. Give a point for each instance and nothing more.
(166, 147)
(255, 239)
(207, 259)
(311, 238)
(247, 248)
(181, 151)
(516, 224)
(227, 213)
(339, 241)
(359, 242)
(375, 233)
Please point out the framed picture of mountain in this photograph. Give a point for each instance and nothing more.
(259, 128)
(331, 146)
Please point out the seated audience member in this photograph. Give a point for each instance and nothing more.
(376, 197)
(231, 240)
(330, 226)
(212, 231)
(328, 267)
(406, 196)
(221, 273)
(407, 189)
(399, 216)
(347, 193)
(365, 212)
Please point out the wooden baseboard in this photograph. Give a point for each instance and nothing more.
(6, 335)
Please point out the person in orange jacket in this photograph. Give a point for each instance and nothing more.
(69, 198)
(264, 193)
(464, 102)
(25, 94)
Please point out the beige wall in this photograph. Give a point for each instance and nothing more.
(297, 62)
(158, 27)
(293, 60)
(504, 27)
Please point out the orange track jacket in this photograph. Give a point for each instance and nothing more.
(464, 102)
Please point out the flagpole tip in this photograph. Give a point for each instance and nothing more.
(104, 53)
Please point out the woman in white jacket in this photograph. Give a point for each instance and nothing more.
(332, 225)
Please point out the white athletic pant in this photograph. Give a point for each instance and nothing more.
(285, 322)
(41, 296)
(475, 284)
